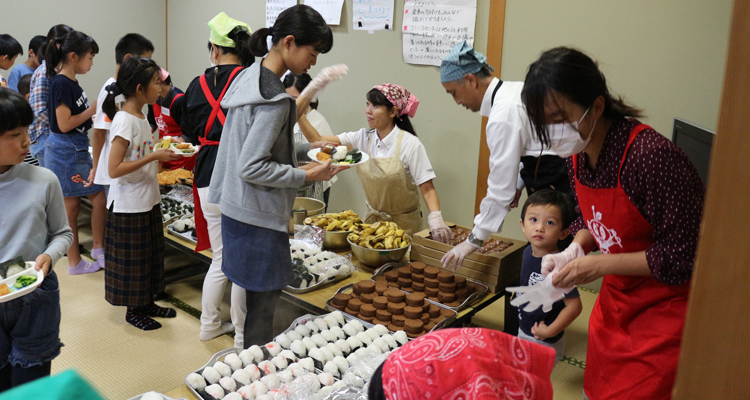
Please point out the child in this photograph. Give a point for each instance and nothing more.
(135, 235)
(166, 115)
(67, 147)
(9, 50)
(28, 66)
(23, 90)
(545, 218)
(34, 226)
(130, 45)
(39, 130)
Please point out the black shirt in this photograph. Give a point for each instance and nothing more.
(175, 110)
(63, 90)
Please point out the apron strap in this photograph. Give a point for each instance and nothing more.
(398, 143)
(177, 96)
(215, 102)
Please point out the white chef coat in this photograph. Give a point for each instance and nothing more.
(413, 154)
(509, 137)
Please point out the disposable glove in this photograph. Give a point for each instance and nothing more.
(458, 253)
(324, 77)
(554, 262)
(543, 294)
(439, 229)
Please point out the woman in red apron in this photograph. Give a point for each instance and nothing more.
(640, 202)
(165, 115)
(229, 53)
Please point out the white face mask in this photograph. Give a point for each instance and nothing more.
(565, 140)
(211, 59)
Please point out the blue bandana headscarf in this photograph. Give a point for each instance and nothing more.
(462, 60)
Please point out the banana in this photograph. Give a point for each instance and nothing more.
(397, 243)
(353, 237)
(392, 232)
(388, 242)
(347, 224)
(308, 221)
(367, 232)
(376, 225)
(379, 246)
(381, 231)
(399, 232)
(393, 225)
(321, 222)
(335, 224)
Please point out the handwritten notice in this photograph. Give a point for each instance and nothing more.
(274, 8)
(329, 9)
(432, 28)
(372, 15)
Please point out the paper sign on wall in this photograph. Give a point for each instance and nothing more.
(274, 8)
(372, 15)
(432, 28)
(329, 9)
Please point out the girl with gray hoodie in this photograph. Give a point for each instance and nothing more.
(255, 177)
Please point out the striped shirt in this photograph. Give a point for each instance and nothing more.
(38, 99)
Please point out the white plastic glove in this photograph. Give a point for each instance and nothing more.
(324, 77)
(439, 229)
(554, 262)
(542, 294)
(458, 253)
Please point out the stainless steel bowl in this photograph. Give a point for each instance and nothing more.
(335, 239)
(304, 207)
(378, 257)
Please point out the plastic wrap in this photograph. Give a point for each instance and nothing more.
(310, 235)
(181, 193)
(347, 394)
(314, 269)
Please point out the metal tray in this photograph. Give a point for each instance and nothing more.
(182, 235)
(331, 280)
(210, 362)
(440, 325)
(164, 396)
(469, 300)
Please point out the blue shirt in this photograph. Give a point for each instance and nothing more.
(531, 273)
(63, 90)
(17, 73)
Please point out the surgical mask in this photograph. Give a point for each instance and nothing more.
(210, 59)
(565, 139)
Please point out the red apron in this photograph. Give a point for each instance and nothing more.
(169, 127)
(201, 227)
(636, 325)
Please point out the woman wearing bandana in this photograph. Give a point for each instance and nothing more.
(399, 171)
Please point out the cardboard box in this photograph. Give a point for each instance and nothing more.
(475, 266)
(509, 255)
(511, 276)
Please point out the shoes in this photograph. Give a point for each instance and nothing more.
(224, 328)
(84, 267)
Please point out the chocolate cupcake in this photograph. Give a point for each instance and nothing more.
(417, 286)
(404, 282)
(415, 299)
(412, 312)
(446, 297)
(447, 313)
(431, 272)
(425, 318)
(380, 303)
(396, 308)
(355, 304)
(404, 272)
(383, 315)
(380, 278)
(462, 293)
(380, 287)
(445, 276)
(417, 267)
(398, 320)
(447, 287)
(460, 281)
(341, 299)
(417, 277)
(367, 298)
(391, 276)
(366, 286)
(431, 292)
(395, 296)
(367, 310)
(414, 326)
(434, 311)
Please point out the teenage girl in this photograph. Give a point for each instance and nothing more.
(255, 176)
(134, 249)
(229, 53)
(67, 148)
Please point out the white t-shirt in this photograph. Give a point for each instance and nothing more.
(138, 191)
(101, 121)
(413, 154)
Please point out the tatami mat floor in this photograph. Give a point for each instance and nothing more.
(122, 362)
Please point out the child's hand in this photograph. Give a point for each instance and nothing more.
(540, 331)
(165, 155)
(90, 182)
(43, 262)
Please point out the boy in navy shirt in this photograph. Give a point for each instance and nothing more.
(545, 219)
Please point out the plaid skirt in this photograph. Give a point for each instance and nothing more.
(134, 254)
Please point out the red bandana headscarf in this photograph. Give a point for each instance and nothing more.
(404, 101)
(469, 364)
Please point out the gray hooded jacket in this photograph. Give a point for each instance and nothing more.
(255, 178)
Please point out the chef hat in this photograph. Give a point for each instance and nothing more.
(221, 25)
(462, 60)
(477, 363)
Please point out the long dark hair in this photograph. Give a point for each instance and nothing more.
(377, 98)
(304, 23)
(133, 71)
(56, 32)
(74, 42)
(241, 39)
(15, 111)
(574, 75)
(300, 82)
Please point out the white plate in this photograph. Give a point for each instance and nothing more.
(178, 151)
(313, 154)
(28, 289)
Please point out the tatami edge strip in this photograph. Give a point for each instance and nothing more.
(574, 362)
(587, 290)
(189, 309)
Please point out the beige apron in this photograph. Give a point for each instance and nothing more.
(391, 195)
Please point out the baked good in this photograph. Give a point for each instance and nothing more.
(380, 321)
(383, 315)
(447, 287)
(426, 306)
(460, 281)
(417, 267)
(393, 328)
(417, 277)
(391, 276)
(429, 326)
(395, 296)
(404, 282)
(396, 308)
(367, 298)
(412, 312)
(417, 286)
(404, 272)
(462, 293)
(446, 297)
(367, 310)
(415, 299)
(380, 303)
(355, 304)
(445, 276)
(341, 299)
(340, 308)
(431, 283)
(414, 335)
(392, 284)
(434, 311)
(471, 287)
(380, 278)
(431, 272)
(367, 319)
(380, 287)
(351, 312)
(447, 313)
(355, 295)
(431, 292)
(366, 286)
(398, 320)
(356, 291)
(454, 303)
(425, 318)
(414, 326)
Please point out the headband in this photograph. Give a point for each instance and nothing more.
(405, 102)
(462, 60)
(221, 25)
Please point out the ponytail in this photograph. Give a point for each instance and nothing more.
(258, 42)
(404, 123)
(133, 71)
(73, 42)
(301, 21)
(56, 32)
(242, 43)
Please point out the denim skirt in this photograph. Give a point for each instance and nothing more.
(67, 155)
(255, 258)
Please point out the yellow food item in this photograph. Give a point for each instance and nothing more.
(335, 222)
(174, 176)
(4, 289)
(166, 142)
(379, 235)
(323, 156)
(182, 146)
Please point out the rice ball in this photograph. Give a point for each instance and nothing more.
(294, 335)
(196, 381)
(228, 384)
(271, 381)
(211, 375)
(223, 369)
(242, 377)
(215, 391)
(326, 379)
(233, 361)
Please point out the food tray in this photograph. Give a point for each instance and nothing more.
(469, 300)
(28, 289)
(172, 198)
(319, 285)
(164, 396)
(210, 362)
(440, 325)
(182, 235)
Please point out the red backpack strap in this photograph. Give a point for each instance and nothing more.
(216, 103)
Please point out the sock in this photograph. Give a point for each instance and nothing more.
(98, 255)
(152, 310)
(141, 321)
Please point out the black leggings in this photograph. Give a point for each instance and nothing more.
(259, 320)
(14, 376)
